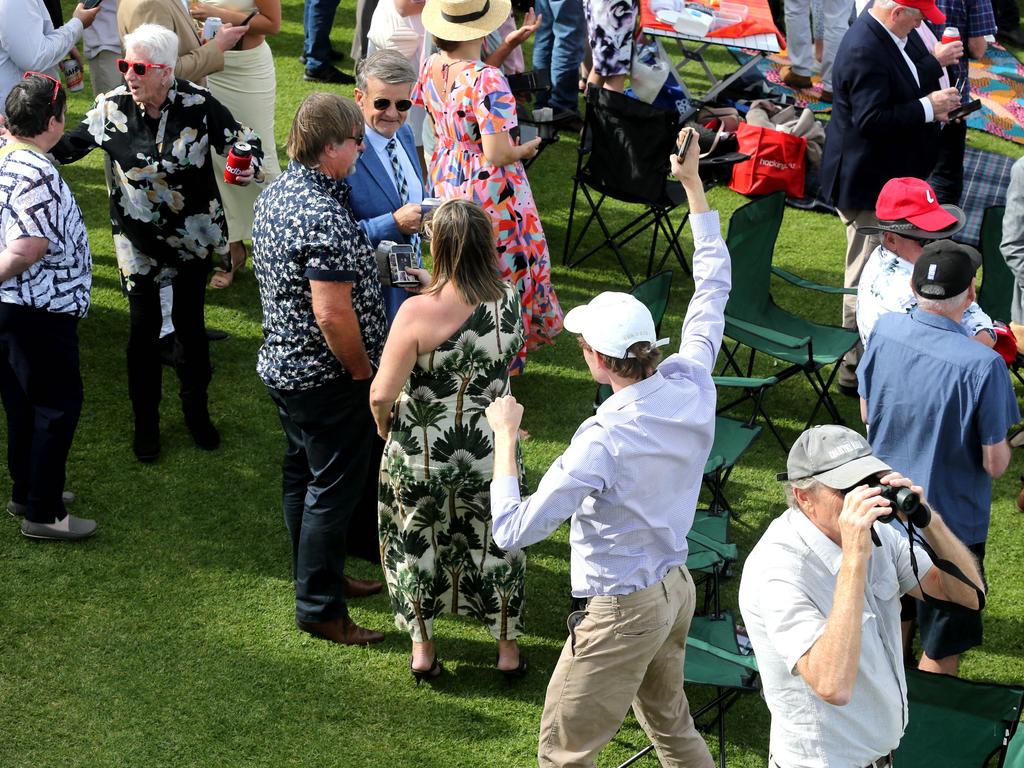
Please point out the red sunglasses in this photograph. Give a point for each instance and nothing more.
(140, 68)
(55, 81)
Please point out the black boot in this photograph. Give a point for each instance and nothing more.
(146, 442)
(204, 434)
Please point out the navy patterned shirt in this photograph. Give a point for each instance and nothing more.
(304, 230)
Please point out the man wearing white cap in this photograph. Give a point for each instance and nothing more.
(822, 605)
(629, 482)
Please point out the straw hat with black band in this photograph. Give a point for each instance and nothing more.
(462, 20)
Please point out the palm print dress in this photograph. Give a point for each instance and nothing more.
(476, 100)
(433, 500)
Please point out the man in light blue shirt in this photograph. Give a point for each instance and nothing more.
(938, 406)
(629, 482)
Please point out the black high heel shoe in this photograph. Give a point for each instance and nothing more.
(436, 668)
(517, 673)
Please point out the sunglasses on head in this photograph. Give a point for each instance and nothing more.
(402, 105)
(140, 68)
(55, 81)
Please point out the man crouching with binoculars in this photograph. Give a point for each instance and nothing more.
(820, 598)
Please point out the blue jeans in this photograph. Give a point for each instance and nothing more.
(317, 20)
(558, 47)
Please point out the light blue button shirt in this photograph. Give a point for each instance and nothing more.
(378, 144)
(630, 478)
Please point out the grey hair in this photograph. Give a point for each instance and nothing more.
(804, 484)
(943, 306)
(886, 4)
(388, 66)
(158, 43)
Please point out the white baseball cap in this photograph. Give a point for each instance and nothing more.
(613, 322)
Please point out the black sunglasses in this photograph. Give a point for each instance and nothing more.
(402, 105)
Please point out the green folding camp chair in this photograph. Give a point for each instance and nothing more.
(735, 438)
(996, 292)
(1015, 751)
(710, 556)
(956, 723)
(713, 657)
(754, 320)
(653, 293)
(732, 438)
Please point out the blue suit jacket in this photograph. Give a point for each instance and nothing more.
(373, 200)
(877, 131)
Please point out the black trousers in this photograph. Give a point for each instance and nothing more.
(947, 177)
(41, 387)
(191, 347)
(330, 433)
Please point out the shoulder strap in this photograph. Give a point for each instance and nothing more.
(946, 566)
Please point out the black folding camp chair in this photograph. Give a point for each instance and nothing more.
(623, 155)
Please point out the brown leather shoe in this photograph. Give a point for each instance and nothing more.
(340, 630)
(1020, 496)
(793, 79)
(360, 587)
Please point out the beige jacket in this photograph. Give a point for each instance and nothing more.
(195, 60)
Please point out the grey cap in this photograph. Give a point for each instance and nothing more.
(834, 456)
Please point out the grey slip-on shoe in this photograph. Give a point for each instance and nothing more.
(70, 528)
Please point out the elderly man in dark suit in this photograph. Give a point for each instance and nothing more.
(886, 118)
(387, 187)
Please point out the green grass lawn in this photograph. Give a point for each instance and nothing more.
(168, 639)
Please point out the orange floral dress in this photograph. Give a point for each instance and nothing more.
(476, 100)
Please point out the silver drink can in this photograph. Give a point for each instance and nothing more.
(211, 26)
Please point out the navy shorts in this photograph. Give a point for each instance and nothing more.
(949, 633)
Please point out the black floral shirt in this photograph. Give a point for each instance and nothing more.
(165, 210)
(304, 230)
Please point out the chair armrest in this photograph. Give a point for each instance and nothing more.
(744, 382)
(749, 662)
(767, 334)
(799, 281)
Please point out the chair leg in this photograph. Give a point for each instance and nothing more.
(821, 388)
(645, 751)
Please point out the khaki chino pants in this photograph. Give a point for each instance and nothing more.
(627, 650)
(859, 246)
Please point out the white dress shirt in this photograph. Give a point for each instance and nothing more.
(28, 42)
(901, 43)
(630, 478)
(378, 144)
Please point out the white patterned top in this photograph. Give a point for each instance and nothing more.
(36, 202)
(885, 287)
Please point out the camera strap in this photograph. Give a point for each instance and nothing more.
(946, 567)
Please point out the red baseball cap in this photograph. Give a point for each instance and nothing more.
(926, 7)
(909, 206)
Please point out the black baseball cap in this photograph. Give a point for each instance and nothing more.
(944, 269)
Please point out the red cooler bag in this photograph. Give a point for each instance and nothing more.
(776, 162)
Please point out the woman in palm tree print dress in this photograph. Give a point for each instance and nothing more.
(446, 359)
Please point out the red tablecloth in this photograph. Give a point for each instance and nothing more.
(758, 22)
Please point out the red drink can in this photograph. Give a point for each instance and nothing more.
(950, 35)
(239, 160)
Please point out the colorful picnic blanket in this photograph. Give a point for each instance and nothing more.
(997, 79)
